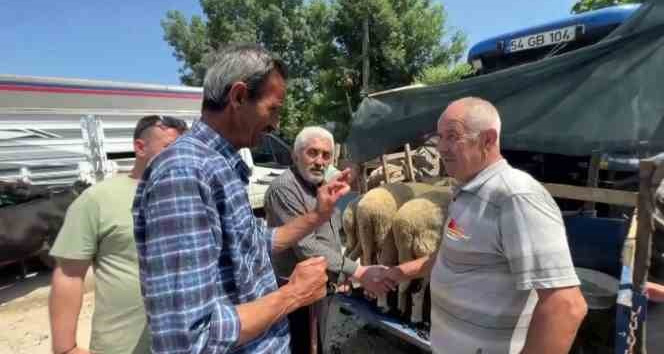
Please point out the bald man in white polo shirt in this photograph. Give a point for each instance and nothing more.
(503, 280)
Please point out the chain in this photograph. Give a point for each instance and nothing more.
(633, 325)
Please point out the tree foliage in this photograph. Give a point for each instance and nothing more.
(589, 5)
(321, 41)
(441, 74)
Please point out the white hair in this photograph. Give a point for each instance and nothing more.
(303, 137)
(480, 115)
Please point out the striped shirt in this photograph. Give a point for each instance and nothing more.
(201, 251)
(503, 239)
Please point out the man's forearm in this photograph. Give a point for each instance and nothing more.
(294, 230)
(65, 303)
(418, 268)
(258, 316)
(325, 245)
(555, 321)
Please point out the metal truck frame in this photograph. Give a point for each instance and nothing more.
(41, 138)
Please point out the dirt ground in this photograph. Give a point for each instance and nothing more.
(24, 324)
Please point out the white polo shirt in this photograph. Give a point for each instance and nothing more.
(503, 238)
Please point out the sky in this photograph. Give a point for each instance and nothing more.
(123, 40)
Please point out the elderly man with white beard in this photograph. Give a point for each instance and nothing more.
(293, 193)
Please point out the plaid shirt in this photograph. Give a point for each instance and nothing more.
(201, 251)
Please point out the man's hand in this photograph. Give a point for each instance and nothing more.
(395, 275)
(655, 292)
(345, 287)
(373, 279)
(305, 286)
(329, 194)
(296, 228)
(308, 281)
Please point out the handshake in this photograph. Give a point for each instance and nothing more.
(378, 280)
(308, 281)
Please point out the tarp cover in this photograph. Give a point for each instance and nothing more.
(608, 97)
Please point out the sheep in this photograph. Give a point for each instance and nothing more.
(367, 223)
(417, 227)
(387, 254)
(373, 215)
(353, 246)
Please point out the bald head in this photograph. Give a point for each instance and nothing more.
(476, 114)
(469, 131)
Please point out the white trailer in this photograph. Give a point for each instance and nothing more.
(40, 127)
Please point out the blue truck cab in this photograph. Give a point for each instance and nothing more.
(538, 42)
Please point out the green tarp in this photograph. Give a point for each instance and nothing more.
(608, 97)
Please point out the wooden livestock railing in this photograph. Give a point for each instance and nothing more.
(636, 249)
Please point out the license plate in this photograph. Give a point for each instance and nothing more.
(542, 39)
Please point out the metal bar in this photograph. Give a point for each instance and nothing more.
(93, 134)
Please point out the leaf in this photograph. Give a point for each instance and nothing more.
(321, 42)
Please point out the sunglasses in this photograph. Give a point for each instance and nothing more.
(162, 121)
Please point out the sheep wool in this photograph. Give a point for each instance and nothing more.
(374, 215)
(348, 219)
(375, 212)
(417, 229)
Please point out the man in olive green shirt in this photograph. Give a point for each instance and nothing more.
(98, 230)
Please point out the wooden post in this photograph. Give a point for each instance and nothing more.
(643, 238)
(645, 225)
(386, 173)
(410, 171)
(593, 178)
(364, 184)
(629, 247)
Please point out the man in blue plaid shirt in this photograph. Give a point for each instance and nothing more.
(204, 259)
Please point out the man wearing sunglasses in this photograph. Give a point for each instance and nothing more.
(98, 231)
(206, 275)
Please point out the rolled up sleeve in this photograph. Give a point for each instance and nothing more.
(281, 206)
(187, 309)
